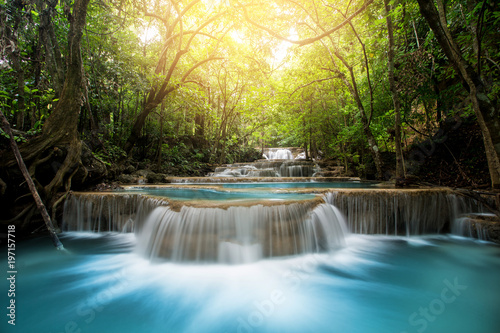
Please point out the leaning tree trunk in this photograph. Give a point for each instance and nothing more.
(31, 184)
(487, 114)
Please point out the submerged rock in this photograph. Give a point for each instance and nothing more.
(143, 177)
(128, 179)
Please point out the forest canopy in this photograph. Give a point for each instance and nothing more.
(179, 86)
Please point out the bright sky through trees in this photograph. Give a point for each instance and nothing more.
(167, 69)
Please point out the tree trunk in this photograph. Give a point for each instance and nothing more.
(135, 134)
(160, 140)
(60, 135)
(488, 116)
(14, 53)
(31, 184)
(53, 58)
(400, 176)
(352, 86)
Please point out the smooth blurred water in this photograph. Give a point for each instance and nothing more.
(374, 284)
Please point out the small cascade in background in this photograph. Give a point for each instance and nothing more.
(278, 154)
(402, 212)
(299, 169)
(256, 169)
(278, 162)
(268, 168)
(241, 234)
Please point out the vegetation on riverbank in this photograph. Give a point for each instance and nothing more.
(404, 90)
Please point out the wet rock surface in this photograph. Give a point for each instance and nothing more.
(481, 226)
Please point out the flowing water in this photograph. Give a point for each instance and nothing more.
(271, 168)
(278, 154)
(267, 258)
(102, 284)
(278, 162)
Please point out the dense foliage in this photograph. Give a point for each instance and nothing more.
(180, 85)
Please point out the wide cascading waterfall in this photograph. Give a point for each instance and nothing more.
(107, 212)
(241, 234)
(196, 228)
(403, 212)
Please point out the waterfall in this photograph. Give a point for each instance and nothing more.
(246, 231)
(483, 226)
(278, 154)
(285, 168)
(241, 234)
(298, 169)
(247, 170)
(107, 212)
(401, 212)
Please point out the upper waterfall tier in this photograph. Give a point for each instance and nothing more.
(278, 154)
(264, 168)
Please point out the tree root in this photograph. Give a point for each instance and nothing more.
(29, 216)
(18, 216)
(63, 197)
(3, 187)
(54, 209)
(70, 165)
(39, 161)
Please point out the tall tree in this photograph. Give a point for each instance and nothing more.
(486, 111)
(351, 83)
(60, 135)
(176, 46)
(400, 175)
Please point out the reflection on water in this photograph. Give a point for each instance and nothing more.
(350, 184)
(212, 194)
(374, 284)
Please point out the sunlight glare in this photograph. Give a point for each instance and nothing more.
(210, 3)
(280, 53)
(149, 34)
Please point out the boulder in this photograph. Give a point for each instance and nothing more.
(128, 179)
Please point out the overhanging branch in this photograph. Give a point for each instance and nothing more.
(313, 82)
(311, 40)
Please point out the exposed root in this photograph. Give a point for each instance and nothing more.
(18, 216)
(3, 187)
(27, 195)
(84, 177)
(70, 165)
(29, 216)
(39, 161)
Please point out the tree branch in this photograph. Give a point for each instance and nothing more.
(312, 82)
(307, 40)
